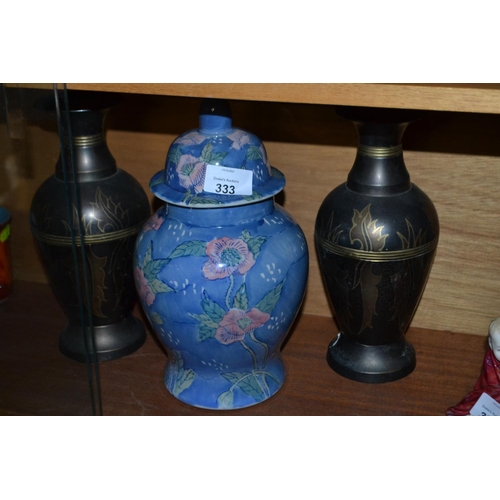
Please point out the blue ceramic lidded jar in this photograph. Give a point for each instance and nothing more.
(220, 269)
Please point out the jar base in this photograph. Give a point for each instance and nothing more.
(371, 364)
(211, 391)
(111, 341)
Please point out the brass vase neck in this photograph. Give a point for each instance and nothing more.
(379, 168)
(85, 151)
(380, 152)
(84, 141)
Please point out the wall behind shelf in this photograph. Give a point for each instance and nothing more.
(453, 157)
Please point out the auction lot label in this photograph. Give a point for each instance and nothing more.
(228, 181)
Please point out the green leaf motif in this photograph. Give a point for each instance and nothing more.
(184, 377)
(254, 153)
(246, 236)
(247, 382)
(251, 387)
(207, 152)
(207, 327)
(217, 157)
(235, 377)
(156, 318)
(205, 320)
(147, 255)
(241, 298)
(209, 157)
(254, 245)
(158, 286)
(206, 332)
(153, 267)
(175, 155)
(212, 309)
(254, 196)
(225, 401)
(195, 248)
(204, 201)
(268, 303)
(156, 182)
(183, 381)
(187, 168)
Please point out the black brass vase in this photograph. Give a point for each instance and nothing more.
(376, 236)
(113, 208)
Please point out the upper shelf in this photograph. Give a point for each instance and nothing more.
(474, 98)
(464, 97)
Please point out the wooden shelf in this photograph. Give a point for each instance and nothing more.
(35, 379)
(471, 98)
(477, 98)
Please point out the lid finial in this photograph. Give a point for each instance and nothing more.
(215, 116)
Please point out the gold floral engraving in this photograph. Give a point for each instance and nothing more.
(332, 234)
(367, 281)
(105, 217)
(97, 267)
(365, 230)
(113, 217)
(412, 240)
(369, 239)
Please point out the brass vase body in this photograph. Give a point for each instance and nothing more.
(376, 237)
(113, 208)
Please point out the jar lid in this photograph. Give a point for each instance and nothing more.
(216, 164)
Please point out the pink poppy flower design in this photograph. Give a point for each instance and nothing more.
(191, 172)
(237, 323)
(227, 256)
(191, 139)
(143, 289)
(239, 138)
(153, 224)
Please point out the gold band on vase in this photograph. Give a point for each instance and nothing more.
(88, 239)
(383, 256)
(380, 152)
(84, 141)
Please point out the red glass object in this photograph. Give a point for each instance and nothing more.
(5, 261)
(488, 382)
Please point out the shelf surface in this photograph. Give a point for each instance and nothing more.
(462, 97)
(477, 98)
(35, 379)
